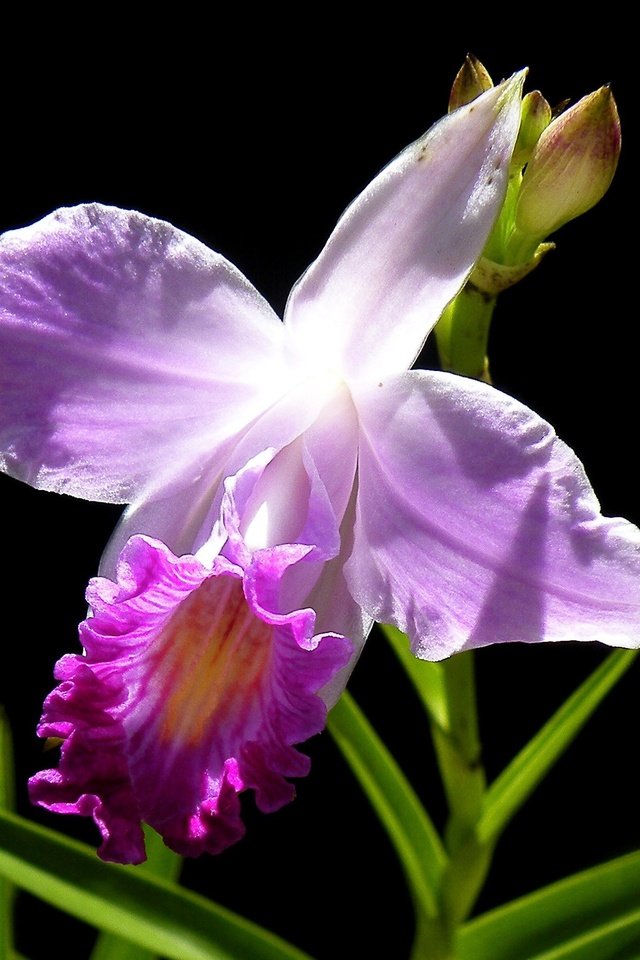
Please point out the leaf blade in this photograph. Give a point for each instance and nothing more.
(394, 800)
(149, 911)
(599, 907)
(427, 677)
(514, 785)
(7, 802)
(160, 862)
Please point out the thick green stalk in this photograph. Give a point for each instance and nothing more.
(462, 333)
(454, 728)
(433, 940)
(458, 751)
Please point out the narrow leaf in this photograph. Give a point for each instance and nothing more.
(160, 862)
(394, 800)
(509, 791)
(7, 785)
(593, 915)
(147, 910)
(111, 947)
(426, 677)
(618, 940)
(7, 801)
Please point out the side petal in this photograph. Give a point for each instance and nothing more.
(337, 610)
(405, 246)
(331, 448)
(192, 690)
(124, 345)
(305, 494)
(477, 525)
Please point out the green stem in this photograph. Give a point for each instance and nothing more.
(458, 751)
(433, 941)
(463, 881)
(462, 333)
(454, 727)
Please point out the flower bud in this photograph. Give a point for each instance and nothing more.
(571, 166)
(471, 80)
(536, 117)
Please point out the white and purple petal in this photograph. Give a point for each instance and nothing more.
(476, 524)
(196, 685)
(405, 246)
(125, 346)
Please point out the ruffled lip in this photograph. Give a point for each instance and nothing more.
(193, 689)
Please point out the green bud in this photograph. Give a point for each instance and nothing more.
(471, 80)
(536, 117)
(572, 165)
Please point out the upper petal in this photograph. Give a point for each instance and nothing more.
(404, 247)
(477, 525)
(124, 344)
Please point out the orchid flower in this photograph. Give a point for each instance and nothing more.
(288, 484)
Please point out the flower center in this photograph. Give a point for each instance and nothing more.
(211, 659)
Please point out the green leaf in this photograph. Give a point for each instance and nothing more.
(394, 800)
(7, 785)
(509, 791)
(7, 800)
(160, 862)
(593, 915)
(111, 947)
(426, 677)
(147, 910)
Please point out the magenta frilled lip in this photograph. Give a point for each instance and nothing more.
(193, 688)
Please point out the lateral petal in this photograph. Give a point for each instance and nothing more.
(405, 246)
(125, 344)
(307, 491)
(477, 525)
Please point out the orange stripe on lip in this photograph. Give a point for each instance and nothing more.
(209, 662)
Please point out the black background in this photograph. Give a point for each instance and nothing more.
(254, 135)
